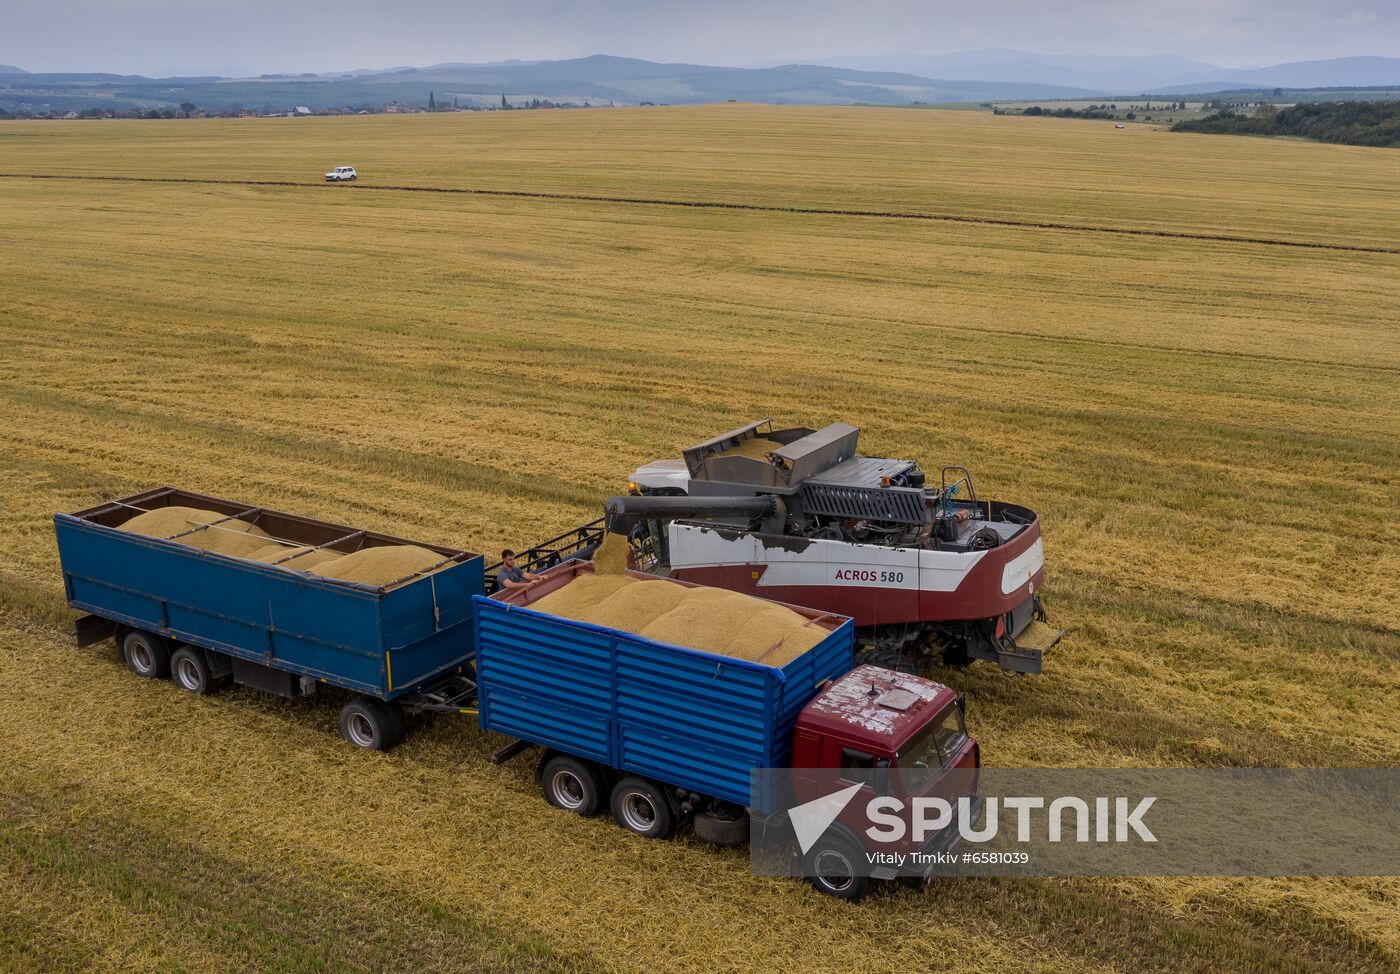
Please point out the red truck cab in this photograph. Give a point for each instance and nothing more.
(867, 721)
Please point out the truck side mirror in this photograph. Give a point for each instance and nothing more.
(962, 702)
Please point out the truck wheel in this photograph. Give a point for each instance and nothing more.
(573, 785)
(720, 830)
(398, 720)
(365, 722)
(146, 654)
(190, 670)
(831, 868)
(642, 807)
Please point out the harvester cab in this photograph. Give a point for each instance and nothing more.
(929, 573)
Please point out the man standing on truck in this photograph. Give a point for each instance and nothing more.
(510, 577)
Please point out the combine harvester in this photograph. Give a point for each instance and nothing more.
(930, 574)
(662, 735)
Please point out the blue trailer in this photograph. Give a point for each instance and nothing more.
(202, 617)
(695, 720)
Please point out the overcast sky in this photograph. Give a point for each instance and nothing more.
(161, 36)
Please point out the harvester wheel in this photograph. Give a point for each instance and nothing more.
(365, 722)
(955, 655)
(573, 785)
(641, 806)
(949, 649)
(146, 654)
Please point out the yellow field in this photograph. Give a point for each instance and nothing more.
(1210, 431)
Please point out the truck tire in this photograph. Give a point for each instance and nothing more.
(642, 807)
(398, 719)
(573, 785)
(831, 866)
(146, 654)
(189, 670)
(722, 830)
(365, 722)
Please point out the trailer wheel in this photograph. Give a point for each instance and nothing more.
(831, 868)
(398, 719)
(365, 722)
(190, 670)
(573, 785)
(641, 806)
(721, 830)
(146, 654)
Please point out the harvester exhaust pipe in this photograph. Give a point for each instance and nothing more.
(625, 512)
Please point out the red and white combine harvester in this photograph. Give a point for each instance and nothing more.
(930, 573)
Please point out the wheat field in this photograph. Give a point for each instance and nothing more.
(1208, 428)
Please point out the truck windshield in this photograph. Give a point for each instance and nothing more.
(937, 743)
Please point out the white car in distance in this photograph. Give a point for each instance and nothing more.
(340, 174)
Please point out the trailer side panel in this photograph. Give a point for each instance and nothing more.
(383, 643)
(678, 715)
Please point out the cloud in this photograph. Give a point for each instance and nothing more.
(301, 35)
(1358, 18)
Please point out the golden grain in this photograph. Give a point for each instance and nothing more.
(382, 564)
(713, 620)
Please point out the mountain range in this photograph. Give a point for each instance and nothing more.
(1107, 74)
(969, 76)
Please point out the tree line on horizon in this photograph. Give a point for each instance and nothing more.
(1366, 123)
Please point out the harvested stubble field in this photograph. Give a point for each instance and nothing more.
(1210, 431)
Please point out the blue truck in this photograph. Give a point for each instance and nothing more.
(660, 735)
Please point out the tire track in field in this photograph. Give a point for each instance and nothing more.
(986, 221)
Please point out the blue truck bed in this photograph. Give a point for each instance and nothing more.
(675, 714)
(383, 642)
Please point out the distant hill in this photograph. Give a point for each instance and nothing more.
(969, 76)
(1108, 74)
(1097, 73)
(1346, 72)
(630, 80)
(11, 69)
(600, 79)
